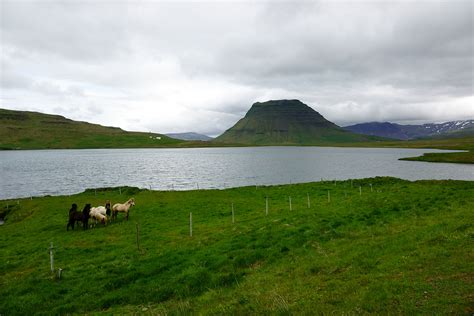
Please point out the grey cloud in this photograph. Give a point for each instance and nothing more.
(353, 62)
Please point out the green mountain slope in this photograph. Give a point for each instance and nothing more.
(287, 122)
(32, 130)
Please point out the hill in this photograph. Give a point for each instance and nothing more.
(406, 132)
(402, 248)
(286, 122)
(189, 136)
(32, 130)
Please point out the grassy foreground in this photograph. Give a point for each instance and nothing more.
(405, 247)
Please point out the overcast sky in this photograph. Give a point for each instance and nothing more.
(198, 66)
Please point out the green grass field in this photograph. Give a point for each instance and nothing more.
(401, 248)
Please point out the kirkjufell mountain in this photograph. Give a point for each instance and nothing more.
(287, 122)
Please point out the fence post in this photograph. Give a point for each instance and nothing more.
(266, 205)
(360, 190)
(233, 221)
(309, 202)
(289, 198)
(190, 224)
(371, 189)
(120, 191)
(329, 197)
(51, 257)
(138, 237)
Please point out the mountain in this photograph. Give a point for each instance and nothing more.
(286, 122)
(404, 132)
(189, 136)
(33, 130)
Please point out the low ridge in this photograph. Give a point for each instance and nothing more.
(33, 130)
(286, 122)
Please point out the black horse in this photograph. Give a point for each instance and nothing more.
(86, 216)
(108, 208)
(76, 216)
(73, 216)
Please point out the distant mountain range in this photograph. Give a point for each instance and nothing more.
(277, 122)
(406, 132)
(189, 136)
(287, 122)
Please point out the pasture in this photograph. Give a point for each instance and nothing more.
(398, 247)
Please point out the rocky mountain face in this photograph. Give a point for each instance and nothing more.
(286, 122)
(405, 132)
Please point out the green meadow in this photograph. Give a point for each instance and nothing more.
(370, 246)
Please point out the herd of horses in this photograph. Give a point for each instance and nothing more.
(100, 214)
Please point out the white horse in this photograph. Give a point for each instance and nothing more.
(99, 213)
(122, 208)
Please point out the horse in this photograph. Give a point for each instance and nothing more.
(85, 216)
(122, 208)
(74, 216)
(108, 210)
(99, 213)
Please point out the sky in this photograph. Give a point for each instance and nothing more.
(198, 66)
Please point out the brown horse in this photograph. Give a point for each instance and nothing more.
(76, 216)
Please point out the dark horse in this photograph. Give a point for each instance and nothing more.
(76, 216)
(108, 209)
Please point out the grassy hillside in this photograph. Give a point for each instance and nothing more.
(461, 157)
(31, 130)
(456, 140)
(461, 142)
(403, 248)
(287, 122)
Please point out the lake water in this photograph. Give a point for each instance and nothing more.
(55, 172)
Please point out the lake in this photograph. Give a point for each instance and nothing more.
(57, 172)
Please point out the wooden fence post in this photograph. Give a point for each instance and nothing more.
(233, 221)
(138, 237)
(266, 206)
(190, 224)
(51, 257)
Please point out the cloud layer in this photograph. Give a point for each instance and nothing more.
(192, 66)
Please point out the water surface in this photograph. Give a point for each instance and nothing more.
(54, 172)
